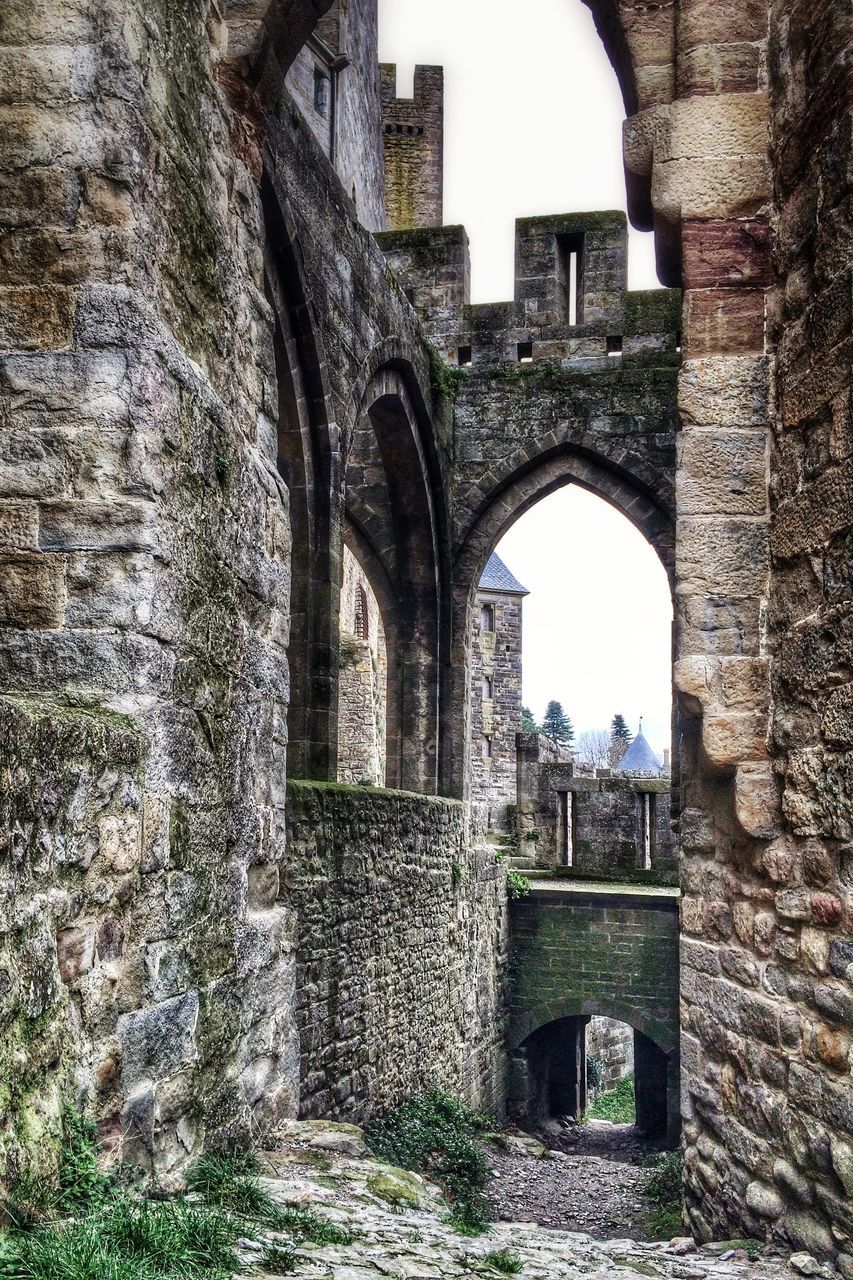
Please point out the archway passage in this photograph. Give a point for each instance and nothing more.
(561, 1076)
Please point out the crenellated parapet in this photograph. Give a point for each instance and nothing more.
(571, 303)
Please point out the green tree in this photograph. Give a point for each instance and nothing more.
(528, 724)
(620, 738)
(557, 725)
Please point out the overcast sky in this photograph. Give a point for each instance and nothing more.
(533, 122)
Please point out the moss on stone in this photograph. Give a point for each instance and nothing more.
(396, 1187)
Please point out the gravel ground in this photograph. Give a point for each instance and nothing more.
(593, 1184)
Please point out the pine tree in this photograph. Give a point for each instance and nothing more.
(557, 725)
(528, 724)
(620, 738)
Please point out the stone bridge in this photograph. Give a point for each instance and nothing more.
(584, 949)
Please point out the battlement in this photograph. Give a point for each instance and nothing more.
(413, 139)
(571, 302)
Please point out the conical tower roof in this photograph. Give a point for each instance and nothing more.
(639, 758)
(497, 577)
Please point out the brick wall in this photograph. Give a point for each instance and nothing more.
(413, 137)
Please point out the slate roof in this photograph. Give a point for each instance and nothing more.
(639, 758)
(497, 577)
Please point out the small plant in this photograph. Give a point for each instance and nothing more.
(230, 1181)
(617, 1105)
(303, 1224)
(517, 884)
(279, 1258)
(505, 1261)
(436, 1133)
(457, 875)
(663, 1191)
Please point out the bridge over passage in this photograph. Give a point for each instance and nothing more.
(580, 949)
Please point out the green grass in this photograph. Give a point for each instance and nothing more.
(128, 1239)
(436, 1133)
(664, 1194)
(617, 1105)
(86, 1227)
(230, 1182)
(505, 1261)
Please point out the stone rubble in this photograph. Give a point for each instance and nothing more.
(406, 1242)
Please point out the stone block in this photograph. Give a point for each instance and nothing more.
(712, 188)
(719, 69)
(75, 952)
(722, 472)
(721, 557)
(757, 799)
(711, 22)
(726, 254)
(18, 526)
(158, 1042)
(723, 322)
(32, 591)
(725, 391)
(120, 525)
(36, 319)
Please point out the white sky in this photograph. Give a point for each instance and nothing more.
(533, 125)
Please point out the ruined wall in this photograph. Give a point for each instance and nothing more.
(495, 658)
(399, 952)
(610, 1045)
(413, 138)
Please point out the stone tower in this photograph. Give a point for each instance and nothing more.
(413, 134)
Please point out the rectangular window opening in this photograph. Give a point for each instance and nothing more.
(321, 91)
(487, 617)
(570, 260)
(614, 346)
(464, 357)
(567, 825)
(487, 688)
(525, 352)
(644, 853)
(487, 747)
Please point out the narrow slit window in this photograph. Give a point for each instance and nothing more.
(321, 91)
(464, 357)
(487, 617)
(525, 352)
(487, 747)
(644, 860)
(567, 842)
(487, 688)
(614, 346)
(570, 256)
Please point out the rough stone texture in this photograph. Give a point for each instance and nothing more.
(592, 822)
(413, 137)
(496, 660)
(610, 1044)
(399, 952)
(363, 661)
(577, 952)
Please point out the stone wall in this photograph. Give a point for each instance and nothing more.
(362, 698)
(413, 137)
(610, 1045)
(592, 822)
(495, 720)
(400, 949)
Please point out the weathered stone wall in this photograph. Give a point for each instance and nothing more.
(363, 662)
(413, 137)
(400, 948)
(578, 951)
(496, 720)
(589, 823)
(344, 114)
(611, 1046)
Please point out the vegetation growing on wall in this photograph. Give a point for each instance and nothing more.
(437, 1134)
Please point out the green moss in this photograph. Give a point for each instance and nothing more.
(444, 378)
(396, 1187)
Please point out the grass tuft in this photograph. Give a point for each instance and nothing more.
(436, 1133)
(505, 1261)
(617, 1105)
(663, 1191)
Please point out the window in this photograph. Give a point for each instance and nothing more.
(525, 352)
(487, 617)
(487, 747)
(321, 91)
(566, 811)
(570, 275)
(614, 346)
(648, 830)
(487, 688)
(361, 627)
(464, 356)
